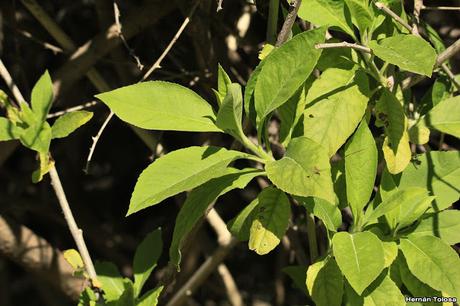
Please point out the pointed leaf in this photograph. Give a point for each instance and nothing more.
(179, 171)
(111, 280)
(270, 222)
(150, 298)
(42, 97)
(127, 297)
(360, 258)
(223, 83)
(445, 225)
(409, 52)
(360, 169)
(322, 209)
(68, 123)
(230, 115)
(199, 202)
(336, 103)
(445, 117)
(241, 224)
(433, 262)
(361, 14)
(285, 70)
(303, 171)
(325, 283)
(145, 259)
(161, 105)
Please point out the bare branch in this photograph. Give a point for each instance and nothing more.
(343, 45)
(5, 74)
(219, 5)
(288, 22)
(448, 53)
(72, 109)
(96, 140)
(393, 15)
(441, 8)
(450, 75)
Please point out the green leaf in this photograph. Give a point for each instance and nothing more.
(145, 259)
(322, 209)
(74, 259)
(42, 97)
(230, 115)
(179, 171)
(199, 202)
(127, 297)
(409, 211)
(439, 172)
(390, 249)
(327, 13)
(438, 92)
(360, 258)
(44, 168)
(240, 225)
(445, 117)
(360, 169)
(223, 83)
(386, 293)
(361, 14)
(325, 283)
(409, 52)
(161, 105)
(270, 222)
(37, 137)
(8, 130)
(111, 280)
(249, 107)
(68, 123)
(336, 103)
(298, 274)
(445, 225)
(303, 171)
(284, 70)
(150, 298)
(390, 114)
(400, 198)
(433, 262)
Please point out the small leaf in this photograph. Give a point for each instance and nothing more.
(303, 171)
(44, 168)
(8, 130)
(270, 222)
(445, 225)
(223, 83)
(285, 70)
(74, 259)
(127, 297)
(361, 14)
(325, 283)
(322, 209)
(68, 123)
(445, 117)
(360, 169)
(409, 52)
(145, 259)
(200, 200)
(37, 137)
(179, 171)
(230, 115)
(240, 226)
(360, 258)
(42, 97)
(150, 298)
(433, 262)
(327, 13)
(161, 105)
(267, 48)
(390, 249)
(112, 282)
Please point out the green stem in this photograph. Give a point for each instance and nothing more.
(312, 242)
(256, 149)
(272, 26)
(374, 70)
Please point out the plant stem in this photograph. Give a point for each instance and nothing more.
(312, 242)
(255, 148)
(343, 45)
(76, 232)
(288, 22)
(272, 26)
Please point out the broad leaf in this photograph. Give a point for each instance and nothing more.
(270, 221)
(240, 226)
(161, 105)
(439, 172)
(249, 107)
(68, 123)
(179, 171)
(361, 14)
(223, 83)
(409, 52)
(230, 115)
(145, 259)
(445, 225)
(409, 211)
(390, 115)
(284, 70)
(42, 97)
(322, 209)
(150, 298)
(325, 283)
(199, 202)
(303, 171)
(360, 258)
(37, 137)
(445, 117)
(111, 280)
(336, 103)
(385, 293)
(390, 249)
(327, 13)
(360, 169)
(433, 262)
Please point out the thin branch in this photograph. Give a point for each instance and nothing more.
(219, 226)
(233, 293)
(450, 75)
(441, 8)
(448, 53)
(96, 140)
(116, 13)
(5, 74)
(288, 22)
(181, 29)
(44, 44)
(393, 15)
(343, 45)
(72, 109)
(219, 5)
